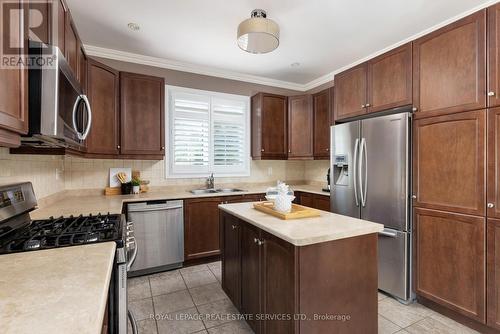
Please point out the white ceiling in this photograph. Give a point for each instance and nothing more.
(199, 36)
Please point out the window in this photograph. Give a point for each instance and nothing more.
(208, 132)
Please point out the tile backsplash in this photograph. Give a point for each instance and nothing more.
(51, 174)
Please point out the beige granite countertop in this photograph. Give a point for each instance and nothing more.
(61, 290)
(76, 204)
(306, 231)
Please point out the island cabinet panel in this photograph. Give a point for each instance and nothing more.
(493, 180)
(351, 92)
(493, 269)
(450, 261)
(231, 253)
(322, 115)
(449, 67)
(316, 201)
(201, 227)
(494, 55)
(250, 274)
(278, 284)
(142, 113)
(390, 79)
(449, 157)
(103, 94)
(300, 127)
(269, 126)
(280, 281)
(354, 292)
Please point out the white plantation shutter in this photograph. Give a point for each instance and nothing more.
(208, 132)
(190, 135)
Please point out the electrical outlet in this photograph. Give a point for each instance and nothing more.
(269, 171)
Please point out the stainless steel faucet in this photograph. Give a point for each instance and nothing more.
(210, 182)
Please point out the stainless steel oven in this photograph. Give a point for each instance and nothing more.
(59, 111)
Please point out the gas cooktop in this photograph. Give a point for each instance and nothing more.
(60, 232)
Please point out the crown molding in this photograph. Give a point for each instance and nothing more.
(130, 57)
(204, 70)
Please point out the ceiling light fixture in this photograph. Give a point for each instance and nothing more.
(258, 34)
(133, 26)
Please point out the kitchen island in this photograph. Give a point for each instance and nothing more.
(312, 275)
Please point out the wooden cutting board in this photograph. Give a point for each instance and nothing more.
(298, 211)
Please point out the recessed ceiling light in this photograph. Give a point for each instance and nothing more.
(295, 64)
(133, 26)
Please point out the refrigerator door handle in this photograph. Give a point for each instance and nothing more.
(388, 233)
(363, 158)
(355, 162)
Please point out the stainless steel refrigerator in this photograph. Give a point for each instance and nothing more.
(370, 175)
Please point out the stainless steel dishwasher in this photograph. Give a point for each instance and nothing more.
(159, 234)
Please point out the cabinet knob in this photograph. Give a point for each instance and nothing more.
(260, 242)
(289, 151)
(234, 227)
(118, 147)
(414, 196)
(491, 93)
(256, 240)
(414, 109)
(262, 150)
(367, 105)
(163, 148)
(491, 205)
(362, 106)
(327, 149)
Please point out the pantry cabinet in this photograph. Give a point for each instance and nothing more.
(142, 114)
(449, 67)
(493, 180)
(103, 90)
(493, 270)
(449, 157)
(269, 126)
(454, 243)
(322, 121)
(14, 87)
(494, 55)
(300, 127)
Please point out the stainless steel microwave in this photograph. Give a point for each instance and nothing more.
(59, 111)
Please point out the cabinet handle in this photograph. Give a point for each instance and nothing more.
(367, 105)
(234, 227)
(491, 93)
(414, 109)
(491, 205)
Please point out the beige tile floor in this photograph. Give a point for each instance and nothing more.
(176, 302)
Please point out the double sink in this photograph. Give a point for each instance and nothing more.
(215, 191)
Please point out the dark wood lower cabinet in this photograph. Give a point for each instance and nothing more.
(316, 201)
(450, 261)
(282, 284)
(493, 270)
(231, 273)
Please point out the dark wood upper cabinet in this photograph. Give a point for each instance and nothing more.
(449, 261)
(201, 227)
(494, 55)
(14, 89)
(493, 179)
(103, 84)
(390, 79)
(321, 110)
(142, 113)
(269, 126)
(493, 273)
(449, 157)
(71, 44)
(449, 67)
(61, 25)
(300, 127)
(351, 92)
(82, 67)
(231, 253)
(332, 106)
